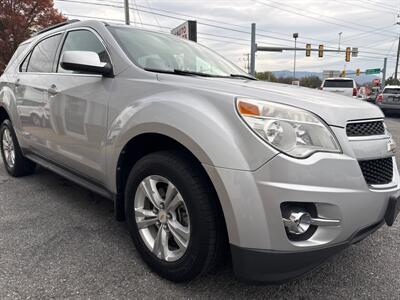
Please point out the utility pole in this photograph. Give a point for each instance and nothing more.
(340, 40)
(397, 60)
(398, 49)
(253, 50)
(383, 83)
(295, 36)
(126, 6)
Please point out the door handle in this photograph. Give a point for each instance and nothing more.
(52, 90)
(17, 83)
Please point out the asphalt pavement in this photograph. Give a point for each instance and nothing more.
(58, 240)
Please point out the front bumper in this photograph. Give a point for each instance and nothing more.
(277, 267)
(251, 202)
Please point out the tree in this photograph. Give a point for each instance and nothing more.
(392, 81)
(19, 19)
(266, 76)
(311, 82)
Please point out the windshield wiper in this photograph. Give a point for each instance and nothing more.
(243, 76)
(193, 73)
(181, 72)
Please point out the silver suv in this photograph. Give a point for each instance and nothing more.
(199, 158)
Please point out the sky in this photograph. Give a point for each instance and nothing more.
(369, 25)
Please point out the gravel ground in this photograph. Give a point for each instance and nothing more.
(58, 240)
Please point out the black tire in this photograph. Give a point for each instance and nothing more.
(207, 233)
(22, 165)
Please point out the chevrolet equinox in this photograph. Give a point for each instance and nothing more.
(202, 161)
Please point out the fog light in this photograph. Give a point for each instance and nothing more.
(298, 222)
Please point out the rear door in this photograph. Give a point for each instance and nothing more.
(31, 89)
(78, 105)
(340, 86)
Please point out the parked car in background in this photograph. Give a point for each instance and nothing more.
(203, 161)
(389, 99)
(342, 86)
(365, 94)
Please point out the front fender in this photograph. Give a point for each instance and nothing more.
(207, 125)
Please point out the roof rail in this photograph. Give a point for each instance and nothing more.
(57, 25)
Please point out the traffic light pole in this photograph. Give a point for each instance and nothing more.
(253, 50)
(126, 7)
(280, 49)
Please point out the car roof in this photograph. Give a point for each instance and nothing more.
(88, 23)
(392, 87)
(339, 78)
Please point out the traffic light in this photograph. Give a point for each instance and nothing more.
(343, 74)
(348, 53)
(308, 50)
(320, 50)
(358, 72)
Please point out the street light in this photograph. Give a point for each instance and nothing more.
(295, 36)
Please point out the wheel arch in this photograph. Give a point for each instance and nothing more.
(4, 115)
(150, 142)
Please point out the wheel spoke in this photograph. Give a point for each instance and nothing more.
(180, 233)
(170, 194)
(8, 137)
(144, 213)
(174, 203)
(151, 192)
(146, 223)
(160, 247)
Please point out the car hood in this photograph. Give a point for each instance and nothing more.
(336, 110)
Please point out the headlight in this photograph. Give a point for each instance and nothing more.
(291, 130)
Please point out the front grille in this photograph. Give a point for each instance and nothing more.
(377, 171)
(365, 128)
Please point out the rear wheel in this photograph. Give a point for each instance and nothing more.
(172, 216)
(14, 161)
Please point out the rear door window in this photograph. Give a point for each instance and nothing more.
(43, 55)
(338, 83)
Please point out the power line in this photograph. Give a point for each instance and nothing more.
(202, 23)
(259, 30)
(296, 12)
(239, 26)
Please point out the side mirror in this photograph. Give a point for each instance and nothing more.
(85, 61)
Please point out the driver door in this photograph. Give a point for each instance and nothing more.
(78, 105)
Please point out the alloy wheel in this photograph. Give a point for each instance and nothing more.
(162, 218)
(8, 148)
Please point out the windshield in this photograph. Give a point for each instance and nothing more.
(338, 83)
(161, 52)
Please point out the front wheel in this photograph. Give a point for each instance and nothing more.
(172, 216)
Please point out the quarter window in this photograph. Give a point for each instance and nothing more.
(43, 55)
(24, 65)
(83, 40)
